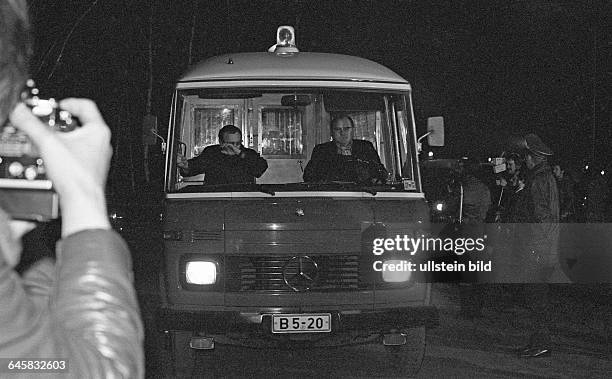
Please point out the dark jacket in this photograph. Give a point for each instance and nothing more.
(520, 209)
(545, 229)
(543, 188)
(82, 309)
(220, 168)
(361, 166)
(566, 197)
(476, 200)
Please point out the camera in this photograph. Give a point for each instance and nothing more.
(499, 164)
(25, 191)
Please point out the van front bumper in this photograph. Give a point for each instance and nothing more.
(237, 321)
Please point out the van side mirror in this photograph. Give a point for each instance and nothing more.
(435, 131)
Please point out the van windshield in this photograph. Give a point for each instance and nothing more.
(291, 140)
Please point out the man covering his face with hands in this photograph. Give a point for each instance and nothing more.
(229, 162)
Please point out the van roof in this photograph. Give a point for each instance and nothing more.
(301, 66)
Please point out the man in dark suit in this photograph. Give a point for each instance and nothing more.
(344, 158)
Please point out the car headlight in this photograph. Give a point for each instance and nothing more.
(201, 272)
(396, 271)
(439, 206)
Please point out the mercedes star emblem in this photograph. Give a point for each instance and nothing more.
(300, 273)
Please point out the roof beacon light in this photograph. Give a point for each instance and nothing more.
(285, 41)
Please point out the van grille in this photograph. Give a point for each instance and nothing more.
(203, 235)
(257, 273)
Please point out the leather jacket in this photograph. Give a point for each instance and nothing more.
(82, 308)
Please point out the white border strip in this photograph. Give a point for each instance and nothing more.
(313, 83)
(333, 194)
(27, 184)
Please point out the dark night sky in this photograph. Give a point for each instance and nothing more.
(491, 68)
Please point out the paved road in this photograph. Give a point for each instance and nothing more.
(457, 348)
(483, 348)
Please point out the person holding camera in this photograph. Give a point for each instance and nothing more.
(81, 310)
(508, 183)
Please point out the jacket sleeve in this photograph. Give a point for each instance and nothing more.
(91, 316)
(197, 165)
(255, 164)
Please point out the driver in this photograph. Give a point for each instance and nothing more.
(345, 158)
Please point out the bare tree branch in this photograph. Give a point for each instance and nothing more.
(59, 57)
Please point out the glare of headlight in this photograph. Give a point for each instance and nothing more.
(201, 272)
(400, 274)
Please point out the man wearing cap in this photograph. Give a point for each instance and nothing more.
(542, 184)
(542, 261)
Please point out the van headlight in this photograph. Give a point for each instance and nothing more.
(396, 271)
(201, 272)
(439, 206)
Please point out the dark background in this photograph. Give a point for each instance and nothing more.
(492, 68)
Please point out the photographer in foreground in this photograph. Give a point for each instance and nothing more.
(81, 308)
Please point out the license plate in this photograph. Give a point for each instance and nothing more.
(301, 323)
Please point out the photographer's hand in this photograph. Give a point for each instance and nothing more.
(77, 162)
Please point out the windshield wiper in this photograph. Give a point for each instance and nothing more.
(264, 189)
(230, 187)
(368, 189)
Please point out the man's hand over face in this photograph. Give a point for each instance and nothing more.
(77, 162)
(229, 149)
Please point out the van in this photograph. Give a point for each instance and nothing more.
(281, 263)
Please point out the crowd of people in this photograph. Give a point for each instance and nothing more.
(584, 194)
(524, 211)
